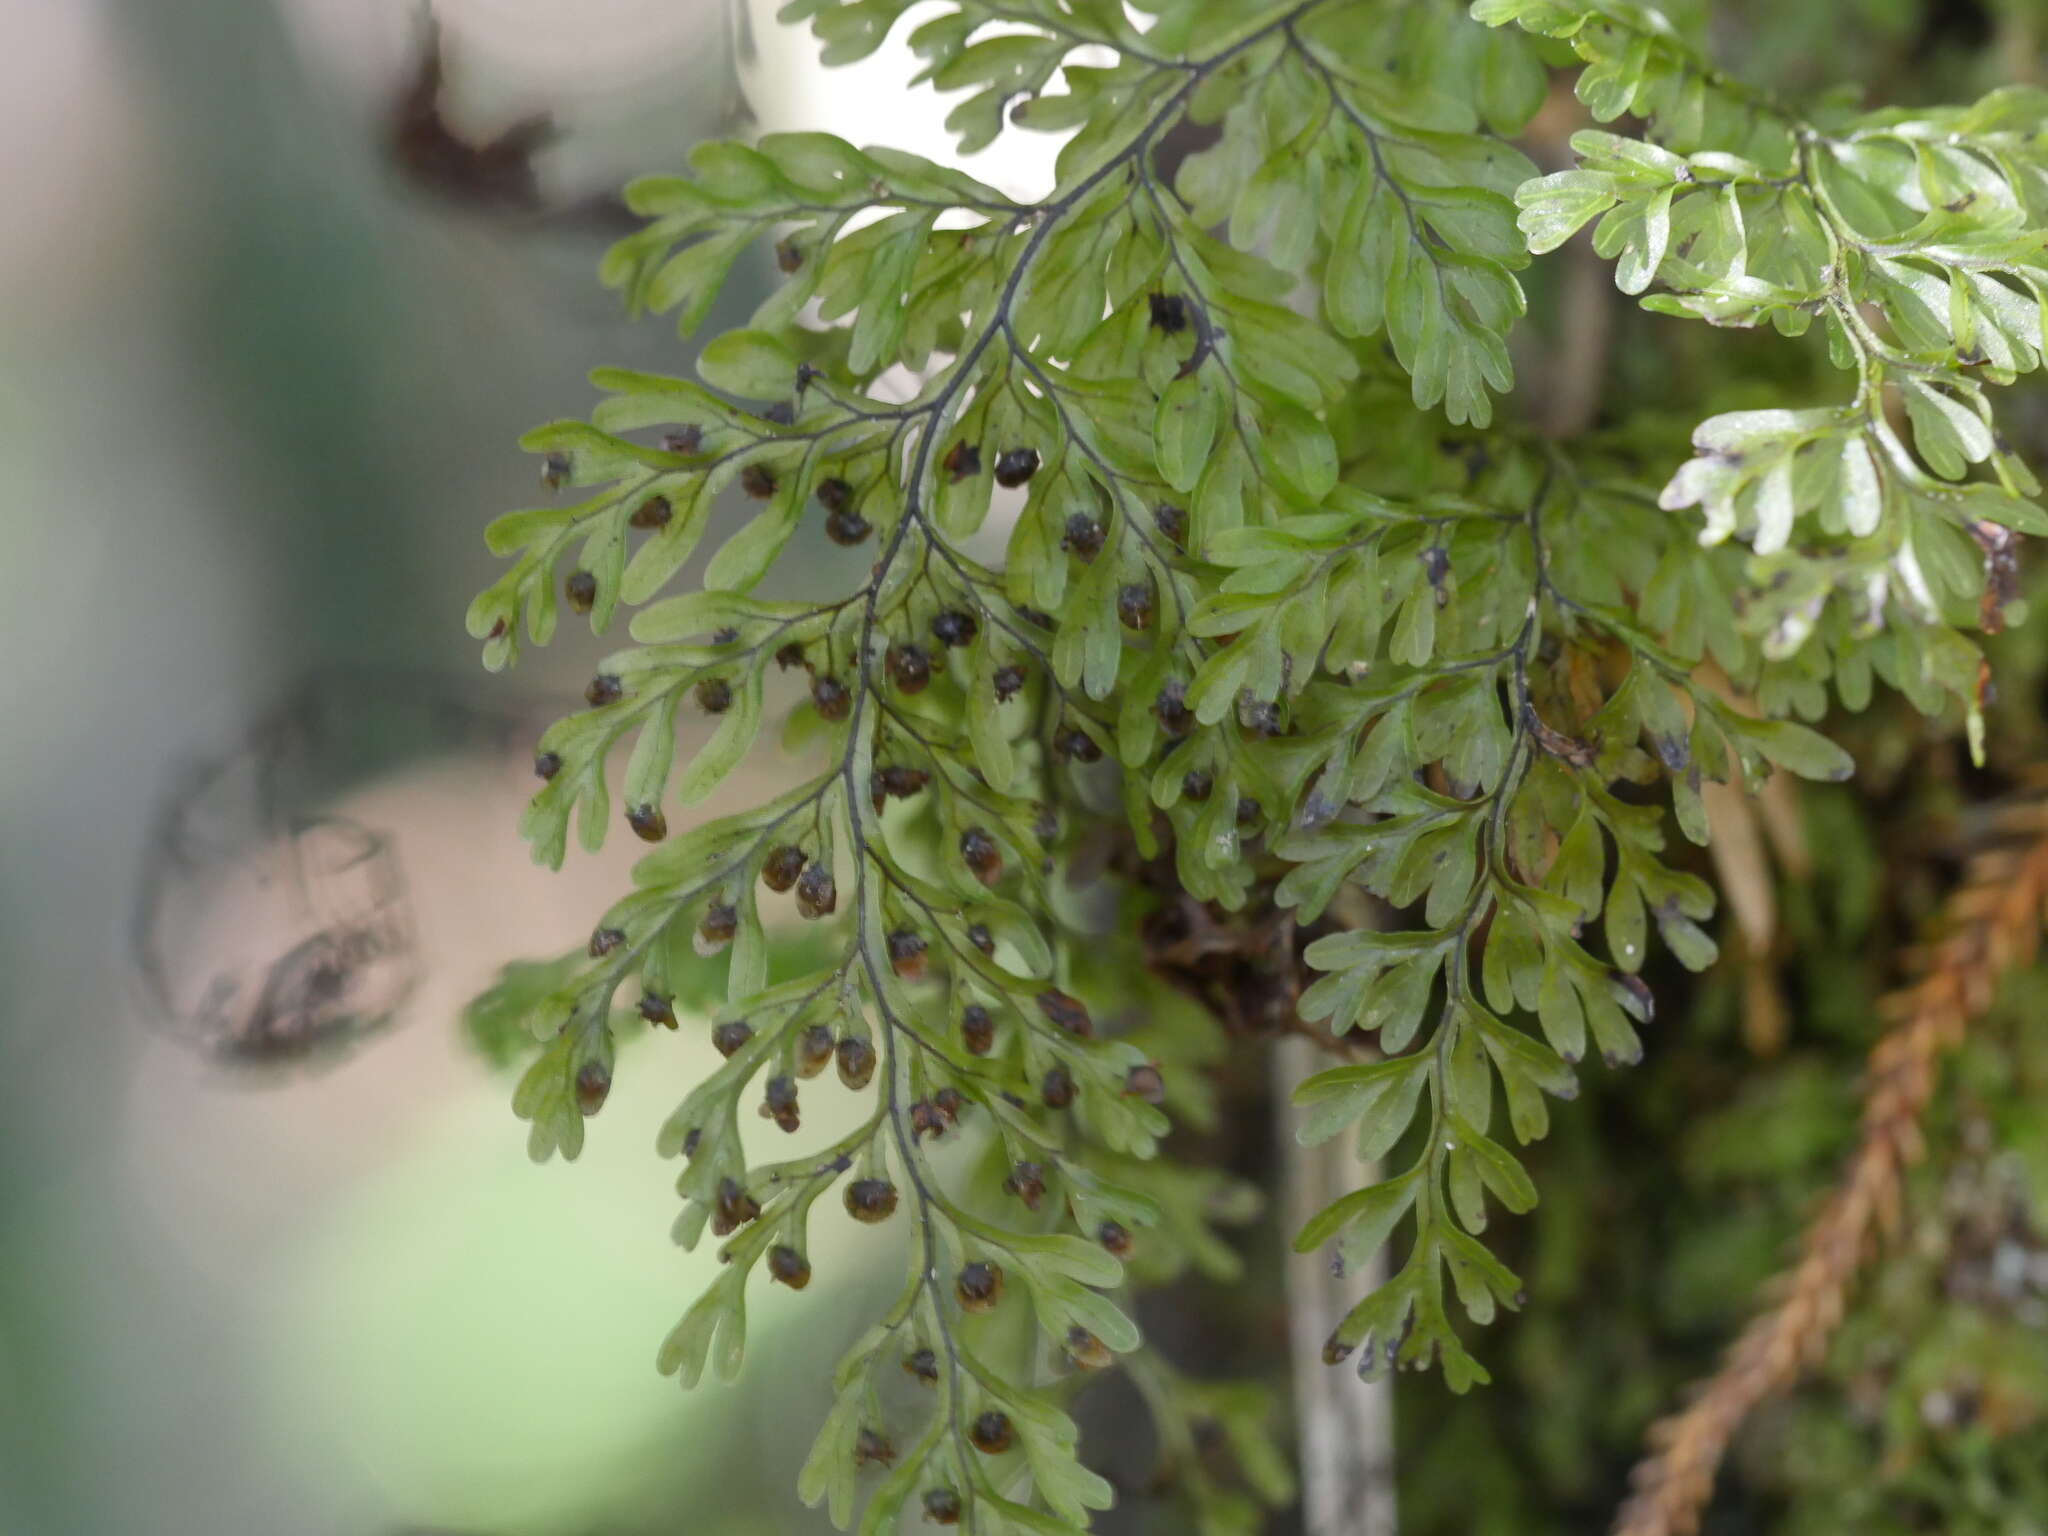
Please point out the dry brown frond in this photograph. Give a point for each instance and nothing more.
(1992, 922)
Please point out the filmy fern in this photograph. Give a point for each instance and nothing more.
(1199, 558)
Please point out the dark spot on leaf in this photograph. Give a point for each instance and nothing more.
(1144, 1082)
(1169, 312)
(1015, 466)
(953, 628)
(856, 1062)
(779, 871)
(789, 1267)
(909, 667)
(846, 528)
(962, 461)
(831, 698)
(593, 1085)
(1066, 1012)
(718, 925)
(1027, 1182)
(907, 954)
(816, 894)
(870, 1200)
(981, 855)
(980, 1286)
(654, 512)
(991, 1433)
(1134, 605)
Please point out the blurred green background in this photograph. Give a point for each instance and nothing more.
(259, 392)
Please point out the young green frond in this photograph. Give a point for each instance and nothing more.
(1916, 239)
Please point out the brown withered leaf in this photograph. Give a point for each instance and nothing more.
(2001, 572)
(1580, 754)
